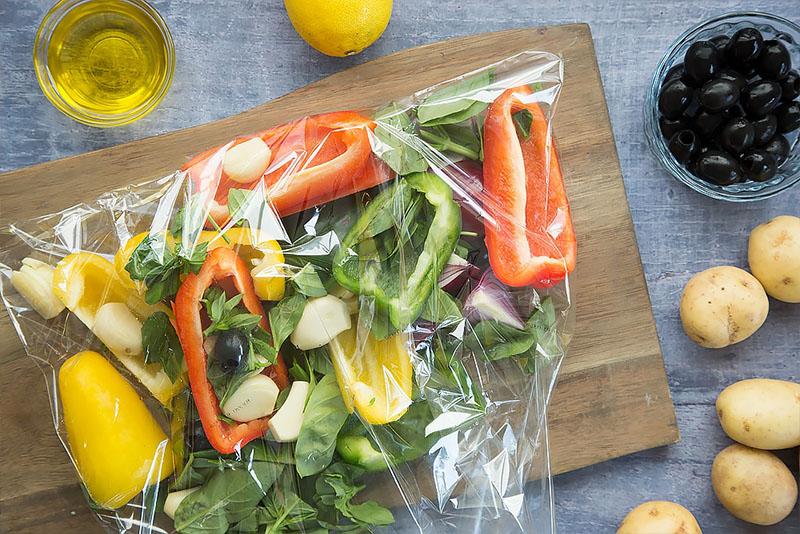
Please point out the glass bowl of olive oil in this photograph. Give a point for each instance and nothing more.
(104, 62)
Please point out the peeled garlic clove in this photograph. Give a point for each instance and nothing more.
(246, 162)
(175, 499)
(118, 329)
(253, 399)
(34, 281)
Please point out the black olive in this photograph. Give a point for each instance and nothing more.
(720, 42)
(674, 73)
(735, 111)
(735, 76)
(765, 129)
(718, 94)
(675, 97)
(758, 165)
(706, 124)
(737, 135)
(759, 98)
(779, 148)
(744, 47)
(670, 127)
(195, 437)
(231, 348)
(701, 62)
(774, 61)
(790, 86)
(785, 37)
(788, 115)
(719, 167)
(684, 145)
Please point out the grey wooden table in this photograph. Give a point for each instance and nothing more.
(234, 55)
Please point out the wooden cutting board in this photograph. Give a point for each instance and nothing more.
(612, 397)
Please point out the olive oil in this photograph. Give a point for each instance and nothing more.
(107, 58)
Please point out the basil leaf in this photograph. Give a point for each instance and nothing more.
(324, 416)
(492, 340)
(522, 121)
(283, 318)
(160, 267)
(456, 101)
(307, 282)
(395, 130)
(161, 344)
(461, 140)
(228, 497)
(286, 510)
(441, 308)
(336, 487)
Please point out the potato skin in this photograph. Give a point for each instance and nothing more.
(753, 485)
(761, 413)
(773, 253)
(722, 306)
(659, 517)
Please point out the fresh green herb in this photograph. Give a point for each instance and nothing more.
(324, 416)
(455, 102)
(395, 130)
(522, 121)
(441, 308)
(225, 313)
(284, 511)
(227, 498)
(161, 344)
(307, 282)
(461, 140)
(160, 267)
(284, 316)
(336, 488)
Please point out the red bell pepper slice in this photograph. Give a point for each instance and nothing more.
(529, 236)
(225, 267)
(314, 160)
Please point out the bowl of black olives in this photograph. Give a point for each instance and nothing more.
(722, 112)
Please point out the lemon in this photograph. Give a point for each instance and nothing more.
(339, 27)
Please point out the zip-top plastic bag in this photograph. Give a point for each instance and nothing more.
(349, 322)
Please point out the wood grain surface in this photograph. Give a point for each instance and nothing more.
(612, 392)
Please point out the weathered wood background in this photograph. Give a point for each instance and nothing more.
(251, 54)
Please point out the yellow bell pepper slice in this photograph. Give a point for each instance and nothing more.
(84, 282)
(264, 256)
(374, 375)
(117, 445)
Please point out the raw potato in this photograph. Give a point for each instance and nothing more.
(774, 257)
(761, 413)
(659, 517)
(753, 485)
(722, 306)
(246, 162)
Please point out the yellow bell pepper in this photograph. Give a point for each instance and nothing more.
(375, 375)
(265, 258)
(84, 282)
(117, 445)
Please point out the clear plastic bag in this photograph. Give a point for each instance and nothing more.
(411, 265)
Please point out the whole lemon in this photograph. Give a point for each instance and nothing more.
(339, 27)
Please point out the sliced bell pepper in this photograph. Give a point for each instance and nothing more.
(400, 290)
(529, 235)
(222, 266)
(375, 376)
(314, 160)
(84, 282)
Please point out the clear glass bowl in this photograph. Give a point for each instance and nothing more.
(788, 173)
(46, 36)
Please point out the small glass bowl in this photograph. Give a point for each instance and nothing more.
(788, 173)
(87, 116)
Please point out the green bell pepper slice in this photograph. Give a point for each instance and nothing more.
(383, 255)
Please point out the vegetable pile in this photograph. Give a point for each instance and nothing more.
(329, 299)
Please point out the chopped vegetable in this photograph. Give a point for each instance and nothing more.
(285, 424)
(529, 233)
(322, 320)
(253, 399)
(222, 264)
(117, 445)
(34, 281)
(375, 376)
(490, 300)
